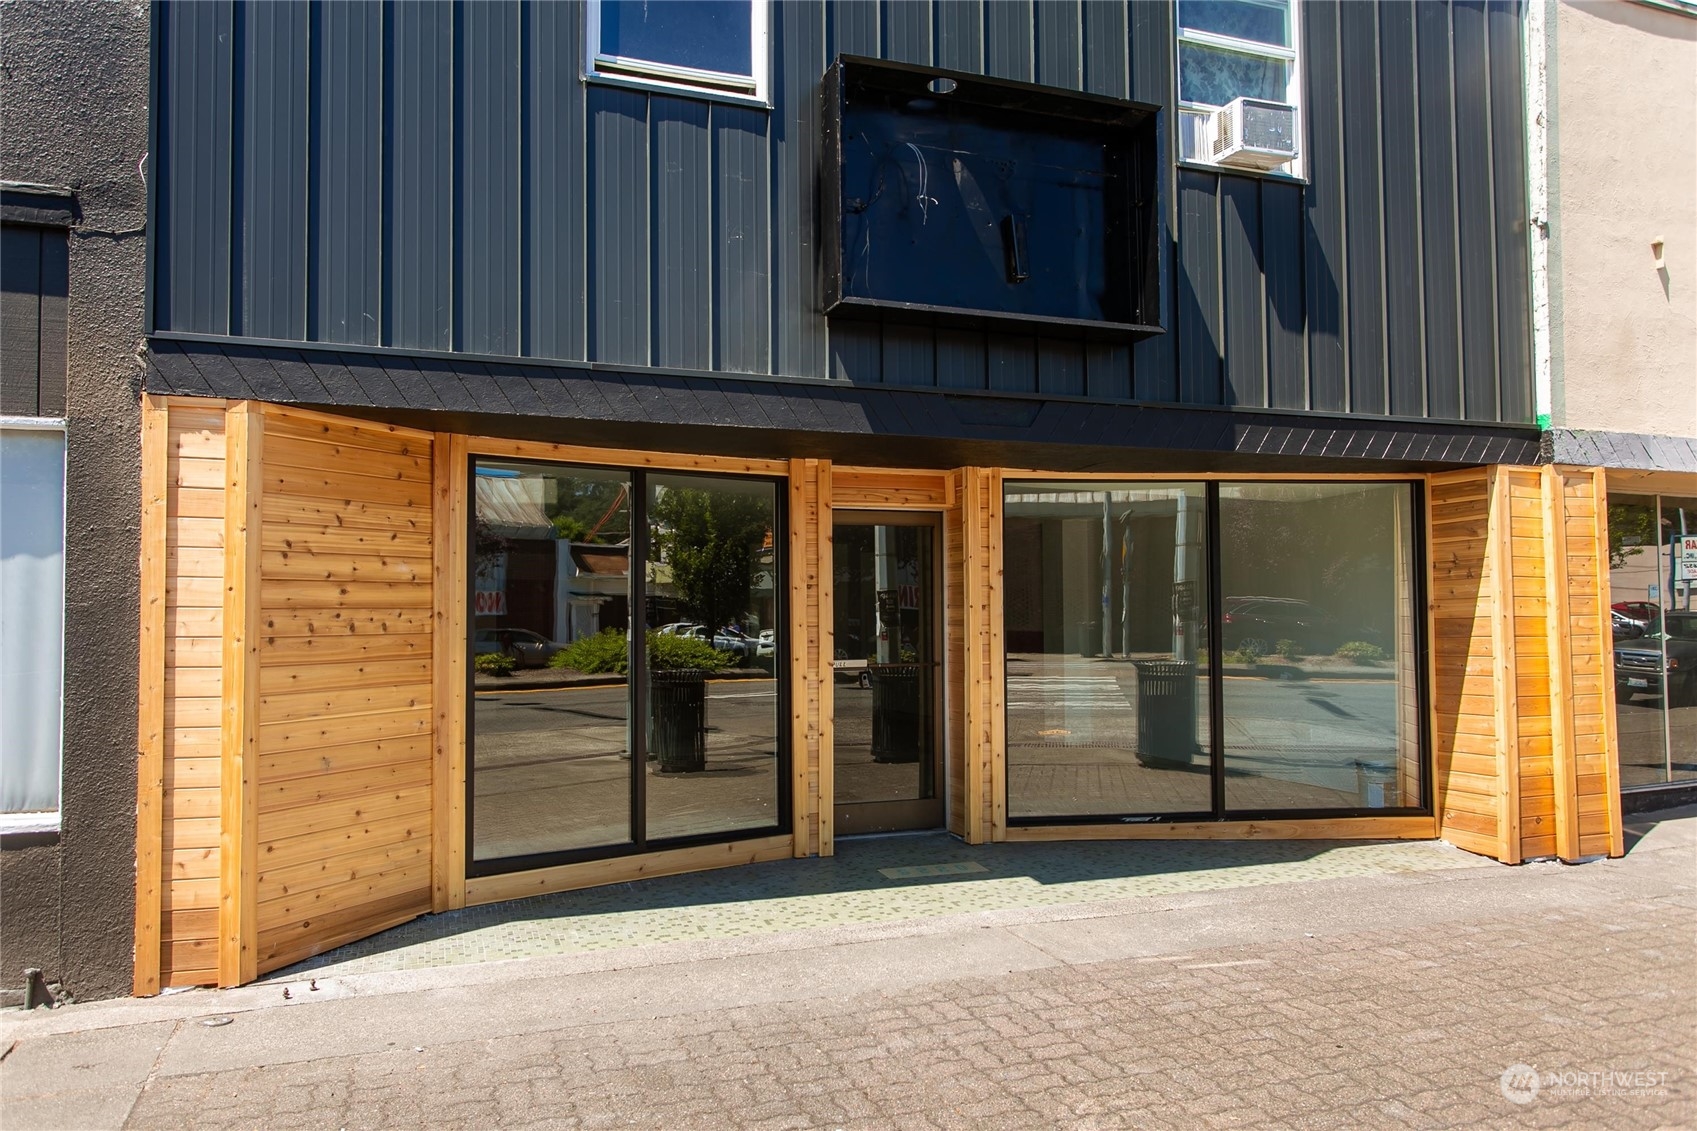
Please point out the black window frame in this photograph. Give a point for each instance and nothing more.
(1218, 812)
(637, 684)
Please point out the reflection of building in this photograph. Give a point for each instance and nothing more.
(1622, 347)
(632, 283)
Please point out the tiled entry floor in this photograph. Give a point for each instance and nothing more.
(933, 875)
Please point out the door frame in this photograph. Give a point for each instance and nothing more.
(920, 812)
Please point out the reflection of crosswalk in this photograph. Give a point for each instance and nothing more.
(1070, 692)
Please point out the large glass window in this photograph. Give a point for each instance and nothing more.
(1185, 650)
(565, 559)
(1318, 641)
(1653, 590)
(1107, 642)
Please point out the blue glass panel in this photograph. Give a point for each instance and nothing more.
(1240, 19)
(708, 35)
(1214, 78)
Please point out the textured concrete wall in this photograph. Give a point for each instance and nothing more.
(1624, 173)
(73, 111)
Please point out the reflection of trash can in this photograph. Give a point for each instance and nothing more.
(1375, 785)
(896, 717)
(677, 720)
(1089, 638)
(1166, 712)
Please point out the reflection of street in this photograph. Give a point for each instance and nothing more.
(1638, 728)
(1290, 743)
(551, 772)
(856, 776)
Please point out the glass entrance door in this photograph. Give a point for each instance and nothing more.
(887, 673)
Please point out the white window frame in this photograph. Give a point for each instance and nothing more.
(1292, 56)
(619, 70)
(47, 821)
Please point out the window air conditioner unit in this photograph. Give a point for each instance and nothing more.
(1251, 133)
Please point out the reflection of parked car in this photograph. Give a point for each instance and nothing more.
(1272, 619)
(1624, 627)
(530, 649)
(735, 641)
(683, 628)
(1642, 613)
(766, 644)
(1638, 667)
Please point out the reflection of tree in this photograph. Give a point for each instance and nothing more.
(488, 548)
(1632, 526)
(710, 538)
(591, 510)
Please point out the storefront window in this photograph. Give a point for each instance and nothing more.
(558, 770)
(1317, 632)
(1106, 625)
(1653, 617)
(1132, 609)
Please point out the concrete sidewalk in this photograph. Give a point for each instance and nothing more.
(1393, 998)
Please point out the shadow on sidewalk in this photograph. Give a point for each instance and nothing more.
(1636, 826)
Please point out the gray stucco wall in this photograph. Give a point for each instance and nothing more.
(73, 112)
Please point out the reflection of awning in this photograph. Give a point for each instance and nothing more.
(601, 561)
(512, 507)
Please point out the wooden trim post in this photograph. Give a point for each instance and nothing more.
(824, 675)
(1504, 668)
(449, 566)
(1605, 627)
(801, 682)
(1556, 629)
(995, 668)
(150, 704)
(238, 836)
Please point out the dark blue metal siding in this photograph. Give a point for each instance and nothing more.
(438, 176)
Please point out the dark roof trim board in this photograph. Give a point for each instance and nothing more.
(848, 423)
(42, 206)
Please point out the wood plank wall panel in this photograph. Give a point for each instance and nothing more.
(192, 691)
(1596, 771)
(811, 652)
(1462, 596)
(983, 725)
(346, 751)
(954, 659)
(1530, 604)
(455, 185)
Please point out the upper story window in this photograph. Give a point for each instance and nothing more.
(1230, 49)
(706, 47)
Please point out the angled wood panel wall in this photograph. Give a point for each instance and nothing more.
(345, 682)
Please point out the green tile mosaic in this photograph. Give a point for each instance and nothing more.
(870, 881)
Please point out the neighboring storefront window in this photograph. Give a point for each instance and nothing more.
(1653, 616)
(1189, 650)
(564, 560)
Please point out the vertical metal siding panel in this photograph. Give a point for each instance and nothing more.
(798, 62)
(1440, 259)
(1242, 292)
(907, 31)
(742, 285)
(1012, 363)
(555, 189)
(1107, 44)
(1287, 328)
(487, 209)
(960, 35)
(1007, 39)
(856, 352)
(418, 258)
(1060, 50)
(618, 222)
(1107, 371)
(1404, 295)
(1323, 261)
(1508, 171)
(345, 141)
(683, 233)
(193, 252)
(271, 203)
(961, 359)
(1474, 208)
(1155, 359)
(1363, 232)
(910, 355)
(856, 345)
(1199, 352)
(1060, 367)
